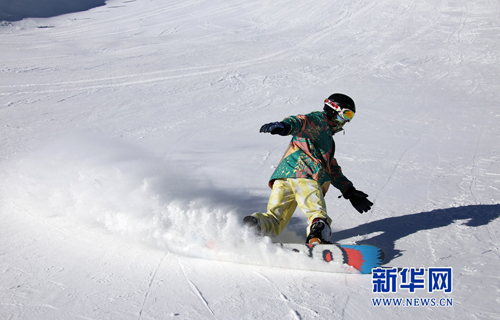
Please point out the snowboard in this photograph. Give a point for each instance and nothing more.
(330, 256)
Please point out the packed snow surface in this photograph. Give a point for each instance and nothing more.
(130, 144)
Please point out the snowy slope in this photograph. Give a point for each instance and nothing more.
(130, 131)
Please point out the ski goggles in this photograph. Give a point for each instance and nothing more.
(343, 113)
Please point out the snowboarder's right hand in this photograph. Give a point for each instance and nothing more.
(280, 128)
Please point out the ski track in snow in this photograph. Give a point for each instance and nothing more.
(152, 280)
(474, 173)
(195, 289)
(131, 129)
(294, 313)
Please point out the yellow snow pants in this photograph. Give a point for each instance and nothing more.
(285, 196)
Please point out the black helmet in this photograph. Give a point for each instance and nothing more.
(343, 101)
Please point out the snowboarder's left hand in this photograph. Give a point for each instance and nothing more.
(359, 200)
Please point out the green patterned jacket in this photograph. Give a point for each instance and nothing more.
(310, 153)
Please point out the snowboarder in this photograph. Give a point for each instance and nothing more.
(306, 171)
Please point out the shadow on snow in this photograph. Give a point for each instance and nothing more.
(396, 228)
(15, 10)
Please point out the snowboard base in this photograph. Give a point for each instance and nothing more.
(332, 258)
(361, 257)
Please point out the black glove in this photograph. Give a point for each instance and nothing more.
(280, 128)
(358, 199)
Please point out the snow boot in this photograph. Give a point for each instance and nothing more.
(252, 223)
(319, 232)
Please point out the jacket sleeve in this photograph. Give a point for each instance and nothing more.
(339, 181)
(302, 126)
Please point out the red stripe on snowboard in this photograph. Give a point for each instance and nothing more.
(355, 258)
